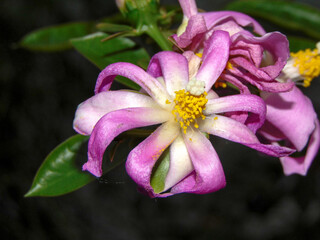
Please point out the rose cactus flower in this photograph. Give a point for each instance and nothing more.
(179, 97)
(247, 55)
(291, 118)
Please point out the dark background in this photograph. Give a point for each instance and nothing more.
(39, 95)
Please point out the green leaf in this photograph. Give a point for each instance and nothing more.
(288, 14)
(58, 174)
(111, 27)
(298, 43)
(160, 172)
(55, 38)
(103, 53)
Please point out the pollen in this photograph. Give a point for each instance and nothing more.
(188, 108)
(308, 63)
(229, 65)
(199, 55)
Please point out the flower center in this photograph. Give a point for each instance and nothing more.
(308, 63)
(190, 104)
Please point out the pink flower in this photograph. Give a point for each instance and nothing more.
(252, 59)
(179, 97)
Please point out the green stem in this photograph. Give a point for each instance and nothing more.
(154, 32)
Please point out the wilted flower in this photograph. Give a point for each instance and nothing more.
(248, 53)
(179, 97)
(291, 119)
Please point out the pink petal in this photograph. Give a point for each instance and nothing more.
(90, 111)
(292, 113)
(189, 7)
(194, 33)
(142, 158)
(114, 123)
(137, 75)
(275, 43)
(173, 67)
(215, 58)
(208, 175)
(301, 165)
(245, 103)
(237, 132)
(215, 18)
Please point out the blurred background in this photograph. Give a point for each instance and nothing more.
(39, 95)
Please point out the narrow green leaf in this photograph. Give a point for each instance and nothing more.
(58, 174)
(288, 14)
(55, 38)
(103, 53)
(111, 27)
(297, 43)
(160, 172)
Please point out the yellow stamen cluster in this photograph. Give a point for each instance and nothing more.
(308, 63)
(188, 108)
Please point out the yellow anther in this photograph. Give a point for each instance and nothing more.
(199, 55)
(168, 102)
(188, 108)
(308, 63)
(220, 84)
(229, 65)
(215, 118)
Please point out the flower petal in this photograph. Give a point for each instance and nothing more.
(114, 123)
(214, 18)
(293, 114)
(189, 7)
(142, 158)
(215, 58)
(180, 163)
(274, 43)
(245, 103)
(90, 111)
(237, 132)
(208, 176)
(173, 67)
(193, 34)
(300, 165)
(136, 74)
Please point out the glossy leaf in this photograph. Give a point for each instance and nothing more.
(291, 15)
(55, 38)
(103, 53)
(160, 172)
(298, 43)
(58, 174)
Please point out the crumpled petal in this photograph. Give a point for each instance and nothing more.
(114, 123)
(208, 175)
(143, 157)
(193, 34)
(275, 43)
(237, 132)
(300, 165)
(214, 18)
(173, 67)
(215, 58)
(292, 113)
(180, 163)
(90, 111)
(246, 103)
(137, 75)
